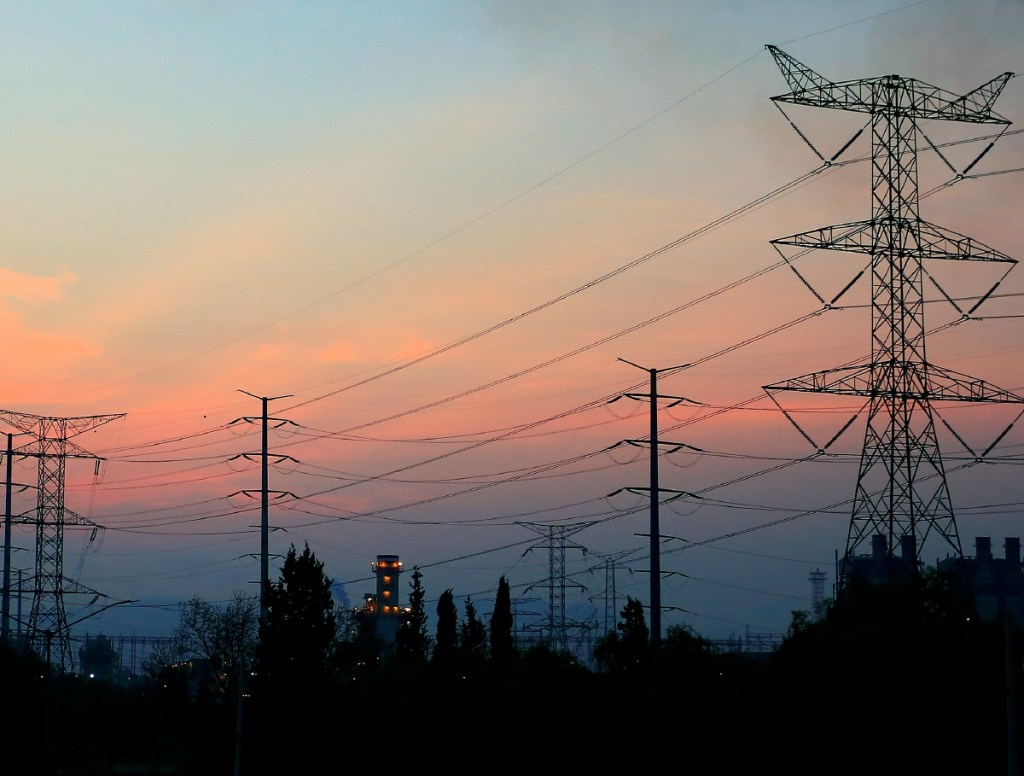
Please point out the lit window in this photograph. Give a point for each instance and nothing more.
(386, 593)
(387, 580)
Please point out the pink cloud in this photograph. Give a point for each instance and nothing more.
(413, 348)
(336, 352)
(18, 285)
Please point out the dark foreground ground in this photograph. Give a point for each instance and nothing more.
(856, 698)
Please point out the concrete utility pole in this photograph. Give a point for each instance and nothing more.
(265, 498)
(5, 612)
(655, 491)
(901, 495)
(5, 607)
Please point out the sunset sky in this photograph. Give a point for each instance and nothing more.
(434, 229)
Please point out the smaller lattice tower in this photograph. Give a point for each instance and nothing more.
(609, 597)
(557, 628)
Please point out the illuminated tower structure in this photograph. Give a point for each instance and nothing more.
(901, 497)
(384, 604)
(48, 628)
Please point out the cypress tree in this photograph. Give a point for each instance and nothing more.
(446, 642)
(412, 644)
(502, 643)
(473, 636)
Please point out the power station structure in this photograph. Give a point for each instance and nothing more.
(48, 629)
(902, 497)
(383, 605)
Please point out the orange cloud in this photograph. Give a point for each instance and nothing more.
(337, 352)
(413, 348)
(26, 288)
(271, 350)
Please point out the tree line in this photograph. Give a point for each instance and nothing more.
(908, 668)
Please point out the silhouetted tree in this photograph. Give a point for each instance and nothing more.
(684, 654)
(633, 628)
(627, 647)
(682, 642)
(915, 629)
(295, 671)
(446, 641)
(222, 639)
(798, 623)
(358, 645)
(472, 637)
(298, 639)
(412, 644)
(502, 643)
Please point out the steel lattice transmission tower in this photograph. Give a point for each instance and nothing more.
(52, 446)
(901, 491)
(557, 542)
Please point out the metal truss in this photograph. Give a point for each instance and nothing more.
(901, 491)
(48, 628)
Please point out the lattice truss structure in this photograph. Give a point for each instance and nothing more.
(901, 490)
(48, 628)
(556, 542)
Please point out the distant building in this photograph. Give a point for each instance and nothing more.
(97, 658)
(881, 566)
(996, 584)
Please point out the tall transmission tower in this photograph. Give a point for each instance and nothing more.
(48, 629)
(556, 544)
(901, 495)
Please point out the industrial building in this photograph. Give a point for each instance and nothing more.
(996, 585)
(384, 605)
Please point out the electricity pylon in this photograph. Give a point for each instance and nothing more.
(52, 446)
(557, 625)
(901, 490)
(609, 596)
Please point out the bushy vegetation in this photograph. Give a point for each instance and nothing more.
(894, 678)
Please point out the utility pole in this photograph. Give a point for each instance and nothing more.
(265, 501)
(5, 607)
(21, 584)
(5, 611)
(655, 490)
